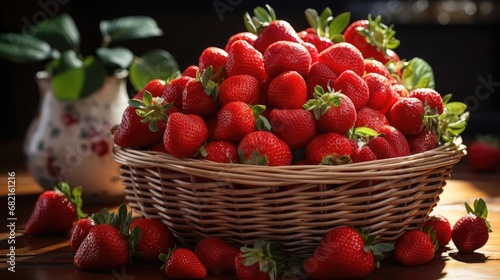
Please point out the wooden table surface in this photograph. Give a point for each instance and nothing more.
(52, 258)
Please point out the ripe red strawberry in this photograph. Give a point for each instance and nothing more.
(344, 253)
(190, 71)
(155, 87)
(341, 57)
(217, 255)
(372, 38)
(287, 91)
(56, 210)
(283, 56)
(334, 111)
(215, 57)
(173, 90)
(264, 148)
(235, 120)
(371, 118)
(426, 140)
(441, 227)
(184, 134)
(407, 115)
(198, 96)
(182, 263)
(249, 272)
(375, 66)
(400, 90)
(138, 127)
(483, 155)
(296, 127)
(363, 154)
(79, 232)
(243, 58)
(429, 97)
(156, 238)
(319, 75)
(354, 87)
(245, 36)
(221, 151)
(321, 43)
(415, 247)
(328, 148)
(389, 143)
(243, 88)
(380, 91)
(277, 30)
(471, 231)
(313, 51)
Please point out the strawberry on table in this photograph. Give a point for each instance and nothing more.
(80, 231)
(156, 238)
(471, 231)
(56, 210)
(184, 134)
(415, 247)
(264, 148)
(345, 253)
(484, 154)
(217, 255)
(182, 263)
(441, 227)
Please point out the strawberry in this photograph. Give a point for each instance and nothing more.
(182, 263)
(110, 243)
(313, 51)
(371, 118)
(380, 91)
(271, 30)
(430, 98)
(216, 255)
(215, 57)
(328, 148)
(199, 95)
(334, 111)
(143, 122)
(184, 134)
(441, 227)
(426, 140)
(484, 154)
(287, 91)
(354, 87)
(190, 71)
(400, 90)
(390, 143)
(375, 66)
(235, 120)
(243, 58)
(243, 88)
(249, 272)
(56, 210)
(341, 57)
(245, 36)
(79, 232)
(471, 231)
(415, 247)
(319, 75)
(283, 56)
(321, 43)
(156, 238)
(407, 115)
(345, 253)
(173, 90)
(372, 38)
(363, 154)
(296, 127)
(264, 148)
(221, 151)
(155, 87)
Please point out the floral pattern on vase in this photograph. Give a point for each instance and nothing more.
(72, 140)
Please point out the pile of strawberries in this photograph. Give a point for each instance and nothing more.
(275, 96)
(109, 240)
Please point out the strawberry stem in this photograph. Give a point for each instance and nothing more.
(75, 196)
(480, 210)
(151, 109)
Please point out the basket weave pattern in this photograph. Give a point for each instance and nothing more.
(295, 205)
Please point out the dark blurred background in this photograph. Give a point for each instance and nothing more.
(460, 39)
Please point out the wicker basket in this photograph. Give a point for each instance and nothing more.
(295, 205)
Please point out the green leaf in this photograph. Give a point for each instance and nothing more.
(339, 24)
(68, 60)
(456, 108)
(417, 73)
(77, 83)
(155, 64)
(365, 131)
(311, 17)
(115, 58)
(23, 48)
(127, 28)
(60, 32)
(447, 98)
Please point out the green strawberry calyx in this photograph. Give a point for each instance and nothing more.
(121, 220)
(75, 196)
(255, 159)
(376, 248)
(211, 88)
(322, 101)
(379, 35)
(326, 25)
(262, 122)
(261, 19)
(432, 234)
(453, 121)
(480, 210)
(151, 110)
